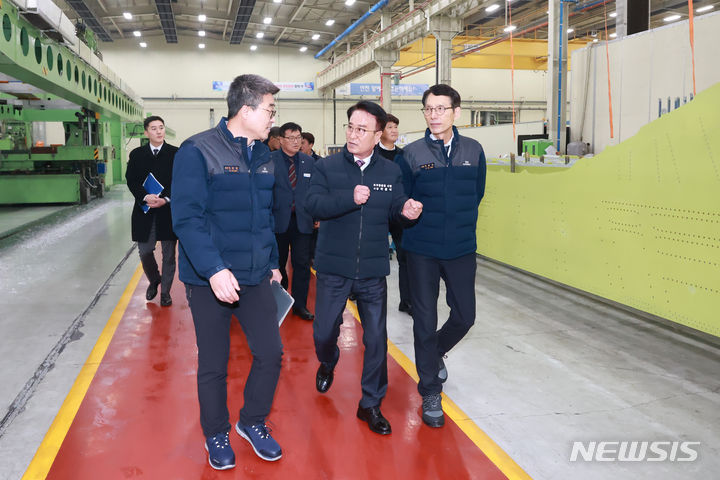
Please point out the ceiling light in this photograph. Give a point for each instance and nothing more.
(613, 35)
(349, 2)
(267, 20)
(277, 1)
(316, 36)
(201, 45)
(330, 22)
(705, 8)
(202, 17)
(303, 48)
(143, 44)
(613, 15)
(259, 35)
(671, 18)
(127, 15)
(509, 28)
(253, 47)
(570, 30)
(201, 33)
(137, 33)
(492, 8)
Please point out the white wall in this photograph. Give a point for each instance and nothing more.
(176, 83)
(644, 69)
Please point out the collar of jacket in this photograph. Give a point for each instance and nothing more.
(288, 158)
(260, 151)
(222, 126)
(440, 144)
(349, 157)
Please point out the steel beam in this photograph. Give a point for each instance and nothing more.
(414, 25)
(28, 57)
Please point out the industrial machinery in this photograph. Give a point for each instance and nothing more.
(50, 77)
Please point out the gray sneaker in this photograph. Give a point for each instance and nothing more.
(442, 373)
(432, 410)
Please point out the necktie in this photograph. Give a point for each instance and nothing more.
(249, 153)
(360, 163)
(291, 175)
(155, 152)
(293, 181)
(447, 150)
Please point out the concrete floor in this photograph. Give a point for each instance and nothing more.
(542, 368)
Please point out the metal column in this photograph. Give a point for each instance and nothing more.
(444, 29)
(385, 60)
(557, 68)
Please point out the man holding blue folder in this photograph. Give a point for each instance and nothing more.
(149, 178)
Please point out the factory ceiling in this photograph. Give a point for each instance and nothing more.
(314, 23)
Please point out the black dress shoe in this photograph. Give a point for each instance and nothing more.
(303, 313)
(405, 307)
(165, 299)
(151, 291)
(324, 377)
(374, 418)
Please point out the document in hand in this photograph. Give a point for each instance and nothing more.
(283, 300)
(152, 186)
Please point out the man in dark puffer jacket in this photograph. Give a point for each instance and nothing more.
(354, 194)
(223, 182)
(446, 172)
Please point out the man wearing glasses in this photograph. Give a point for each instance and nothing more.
(355, 193)
(293, 223)
(222, 214)
(447, 174)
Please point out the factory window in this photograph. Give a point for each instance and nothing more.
(77, 75)
(50, 58)
(38, 51)
(7, 27)
(95, 86)
(60, 64)
(83, 80)
(24, 41)
(68, 69)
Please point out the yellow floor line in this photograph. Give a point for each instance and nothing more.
(491, 449)
(48, 449)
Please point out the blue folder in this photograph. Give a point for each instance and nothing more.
(152, 186)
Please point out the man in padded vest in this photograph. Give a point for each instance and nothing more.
(446, 173)
(223, 182)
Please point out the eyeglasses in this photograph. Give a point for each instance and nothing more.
(359, 131)
(293, 139)
(427, 111)
(271, 112)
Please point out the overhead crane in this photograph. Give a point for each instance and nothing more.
(48, 74)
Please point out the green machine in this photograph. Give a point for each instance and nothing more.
(52, 78)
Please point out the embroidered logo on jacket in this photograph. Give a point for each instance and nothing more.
(466, 163)
(263, 170)
(427, 166)
(382, 187)
(231, 169)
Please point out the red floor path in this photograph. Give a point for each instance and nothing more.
(139, 418)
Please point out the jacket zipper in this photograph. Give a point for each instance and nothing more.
(357, 268)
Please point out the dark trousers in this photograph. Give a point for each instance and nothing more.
(371, 297)
(403, 282)
(431, 344)
(256, 311)
(150, 266)
(300, 245)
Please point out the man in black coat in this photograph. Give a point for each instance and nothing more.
(293, 223)
(151, 219)
(354, 194)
